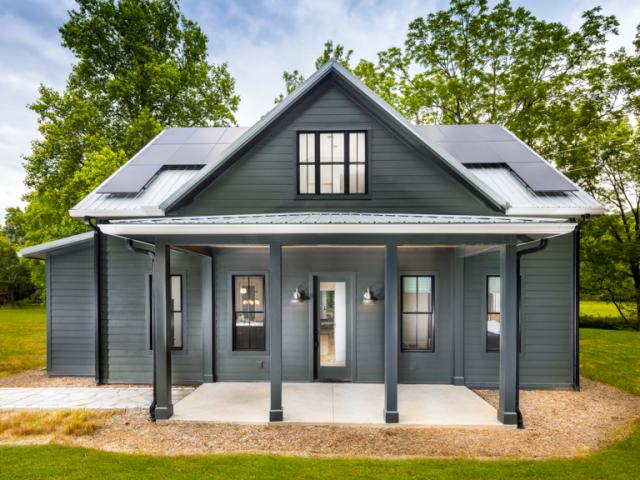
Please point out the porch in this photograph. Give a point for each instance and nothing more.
(283, 240)
(340, 403)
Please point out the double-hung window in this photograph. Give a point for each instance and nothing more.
(493, 313)
(417, 313)
(177, 312)
(332, 163)
(248, 312)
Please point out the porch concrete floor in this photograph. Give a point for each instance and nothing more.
(346, 403)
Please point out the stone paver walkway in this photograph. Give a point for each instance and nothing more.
(90, 398)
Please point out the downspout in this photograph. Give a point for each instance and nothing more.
(97, 283)
(132, 248)
(541, 246)
(576, 300)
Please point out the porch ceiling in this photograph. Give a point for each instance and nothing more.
(338, 223)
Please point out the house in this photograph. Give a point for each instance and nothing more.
(331, 241)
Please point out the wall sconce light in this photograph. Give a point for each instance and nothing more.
(368, 296)
(299, 296)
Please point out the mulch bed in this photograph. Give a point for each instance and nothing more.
(39, 378)
(559, 424)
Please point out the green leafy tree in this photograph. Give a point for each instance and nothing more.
(140, 66)
(14, 275)
(294, 79)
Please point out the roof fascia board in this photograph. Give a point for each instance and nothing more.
(42, 250)
(402, 127)
(292, 99)
(554, 212)
(136, 212)
(247, 137)
(551, 228)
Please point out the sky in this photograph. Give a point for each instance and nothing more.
(259, 39)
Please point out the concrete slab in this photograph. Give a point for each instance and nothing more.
(346, 403)
(55, 398)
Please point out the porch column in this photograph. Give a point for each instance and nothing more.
(391, 414)
(458, 318)
(507, 409)
(208, 319)
(275, 331)
(162, 332)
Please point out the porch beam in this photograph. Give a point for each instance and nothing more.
(458, 317)
(275, 331)
(162, 331)
(508, 378)
(391, 414)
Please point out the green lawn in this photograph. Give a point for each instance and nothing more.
(608, 356)
(23, 339)
(611, 356)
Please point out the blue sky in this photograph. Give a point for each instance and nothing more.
(259, 39)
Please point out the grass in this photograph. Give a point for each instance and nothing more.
(605, 315)
(23, 339)
(60, 422)
(611, 357)
(619, 461)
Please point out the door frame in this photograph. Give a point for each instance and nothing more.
(350, 279)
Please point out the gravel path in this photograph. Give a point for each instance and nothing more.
(559, 424)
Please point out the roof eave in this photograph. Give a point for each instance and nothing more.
(40, 252)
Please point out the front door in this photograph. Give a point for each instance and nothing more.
(332, 328)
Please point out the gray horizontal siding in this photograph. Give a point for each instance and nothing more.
(546, 357)
(126, 322)
(401, 180)
(436, 366)
(71, 312)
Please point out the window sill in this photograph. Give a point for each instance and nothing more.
(333, 196)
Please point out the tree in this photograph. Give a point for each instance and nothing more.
(14, 275)
(141, 66)
(294, 79)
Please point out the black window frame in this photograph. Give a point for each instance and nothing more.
(234, 312)
(431, 313)
(181, 312)
(347, 184)
(172, 311)
(487, 313)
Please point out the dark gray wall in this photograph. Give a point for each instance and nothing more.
(436, 366)
(546, 356)
(125, 310)
(70, 298)
(401, 180)
(367, 264)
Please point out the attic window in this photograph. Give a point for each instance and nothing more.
(332, 163)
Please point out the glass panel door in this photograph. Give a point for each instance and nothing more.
(333, 327)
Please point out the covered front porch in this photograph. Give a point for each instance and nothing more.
(342, 403)
(281, 234)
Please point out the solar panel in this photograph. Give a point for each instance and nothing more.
(492, 144)
(541, 177)
(130, 179)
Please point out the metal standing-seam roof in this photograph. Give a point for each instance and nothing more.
(338, 223)
(524, 201)
(40, 251)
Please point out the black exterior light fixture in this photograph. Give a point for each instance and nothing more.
(368, 296)
(299, 296)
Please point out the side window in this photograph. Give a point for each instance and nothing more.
(176, 340)
(248, 313)
(176, 312)
(417, 313)
(493, 313)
